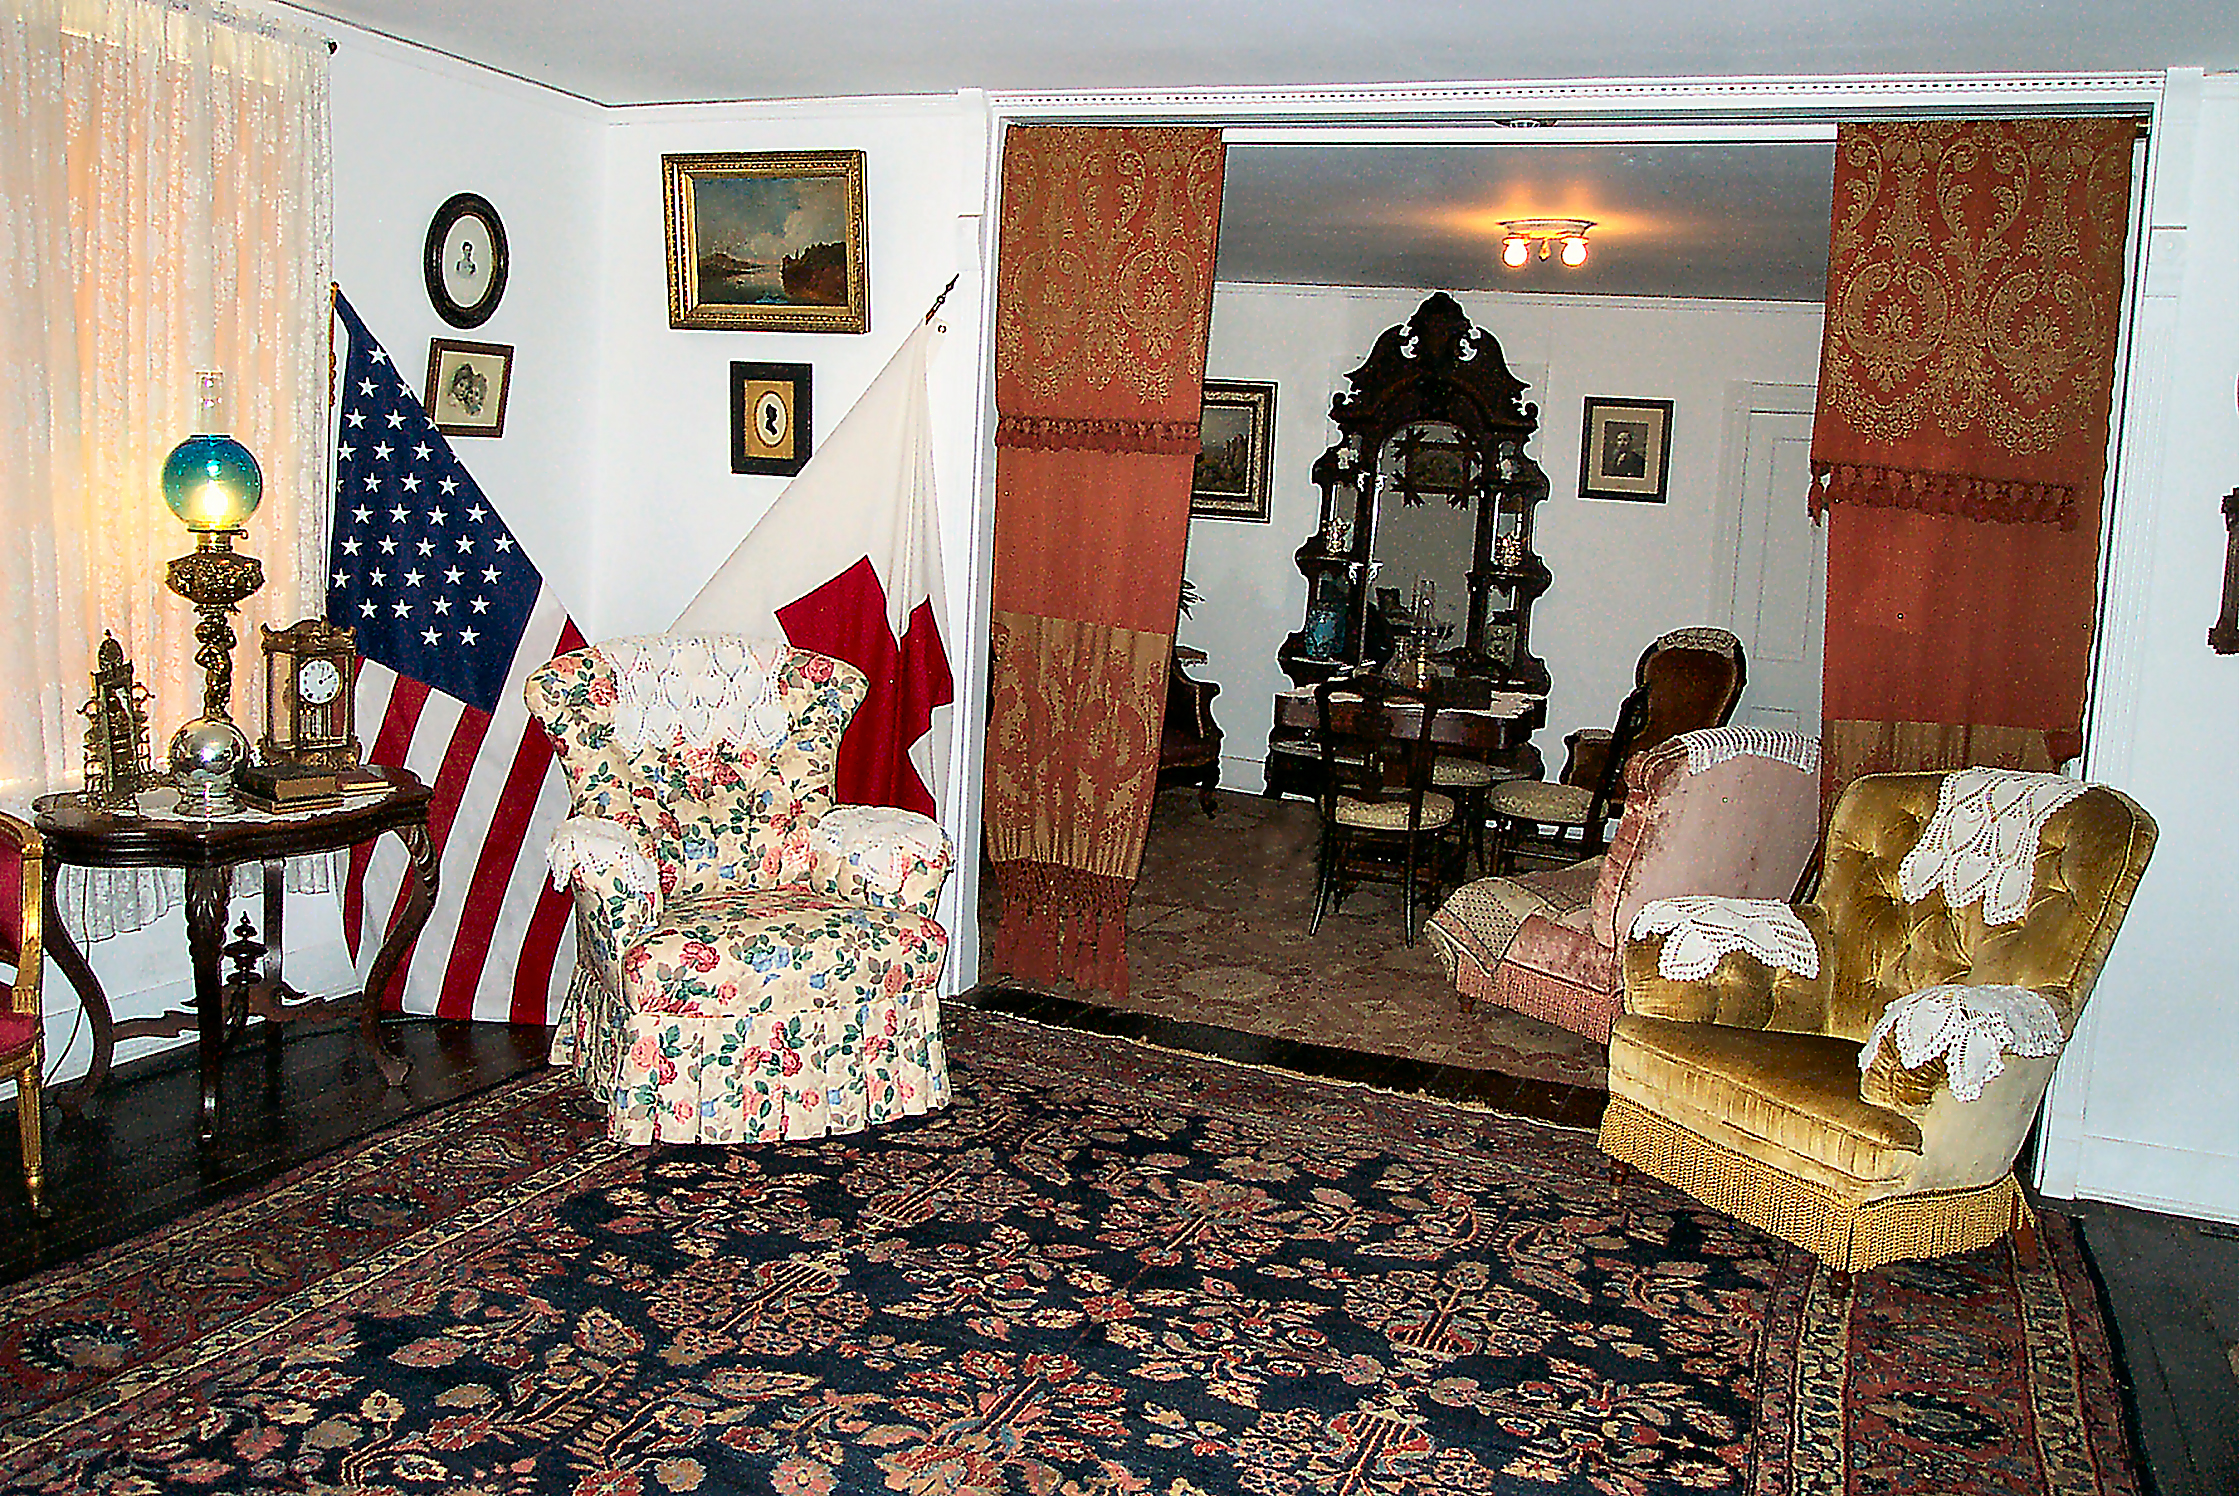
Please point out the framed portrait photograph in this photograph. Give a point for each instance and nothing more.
(467, 386)
(767, 241)
(769, 418)
(1626, 450)
(465, 260)
(1235, 453)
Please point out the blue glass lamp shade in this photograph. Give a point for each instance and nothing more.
(212, 483)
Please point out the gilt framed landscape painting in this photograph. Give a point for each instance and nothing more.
(1235, 451)
(766, 241)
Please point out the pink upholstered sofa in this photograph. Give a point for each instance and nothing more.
(1732, 811)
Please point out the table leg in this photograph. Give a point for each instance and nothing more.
(209, 891)
(276, 989)
(417, 843)
(91, 998)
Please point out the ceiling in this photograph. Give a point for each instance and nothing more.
(1726, 220)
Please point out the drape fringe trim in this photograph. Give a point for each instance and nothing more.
(1846, 1233)
(1100, 434)
(1986, 499)
(1062, 923)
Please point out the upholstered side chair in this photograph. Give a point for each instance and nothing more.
(1693, 678)
(1859, 1078)
(755, 962)
(1686, 679)
(1730, 811)
(22, 1043)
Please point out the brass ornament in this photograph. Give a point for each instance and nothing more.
(118, 762)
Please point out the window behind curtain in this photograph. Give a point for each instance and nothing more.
(164, 207)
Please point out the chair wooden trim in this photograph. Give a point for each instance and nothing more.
(1189, 743)
(25, 1064)
(1546, 832)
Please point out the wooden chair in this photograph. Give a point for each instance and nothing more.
(1533, 814)
(22, 1046)
(1189, 744)
(1381, 821)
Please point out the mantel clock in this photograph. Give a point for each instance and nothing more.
(309, 695)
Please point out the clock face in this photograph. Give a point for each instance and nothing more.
(318, 682)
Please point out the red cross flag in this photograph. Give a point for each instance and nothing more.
(847, 562)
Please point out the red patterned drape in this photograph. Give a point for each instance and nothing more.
(1965, 383)
(1104, 293)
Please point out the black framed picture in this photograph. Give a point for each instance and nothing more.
(1235, 453)
(467, 386)
(768, 241)
(1626, 450)
(465, 260)
(769, 418)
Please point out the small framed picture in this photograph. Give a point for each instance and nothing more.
(1235, 453)
(465, 260)
(768, 241)
(769, 418)
(1626, 451)
(467, 385)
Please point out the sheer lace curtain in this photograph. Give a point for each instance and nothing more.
(164, 207)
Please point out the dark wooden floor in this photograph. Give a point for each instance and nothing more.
(2172, 1284)
(134, 1162)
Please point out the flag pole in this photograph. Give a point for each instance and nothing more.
(936, 306)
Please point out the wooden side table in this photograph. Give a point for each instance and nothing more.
(208, 851)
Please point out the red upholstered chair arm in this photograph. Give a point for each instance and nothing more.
(22, 867)
(1564, 952)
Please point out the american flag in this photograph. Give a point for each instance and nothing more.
(451, 617)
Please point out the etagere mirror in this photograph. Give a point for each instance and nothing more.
(1425, 541)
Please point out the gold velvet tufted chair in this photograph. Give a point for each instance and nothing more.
(1744, 1088)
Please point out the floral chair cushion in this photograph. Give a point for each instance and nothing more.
(751, 950)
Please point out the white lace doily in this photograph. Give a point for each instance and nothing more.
(1982, 841)
(1699, 929)
(600, 847)
(881, 839)
(1970, 1027)
(1714, 745)
(699, 689)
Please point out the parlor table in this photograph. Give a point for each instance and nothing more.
(208, 849)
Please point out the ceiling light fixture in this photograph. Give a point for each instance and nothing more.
(1521, 236)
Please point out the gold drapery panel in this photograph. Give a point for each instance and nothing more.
(1959, 449)
(1104, 287)
(1974, 294)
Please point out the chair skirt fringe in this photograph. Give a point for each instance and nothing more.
(836, 1067)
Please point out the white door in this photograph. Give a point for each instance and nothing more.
(1778, 558)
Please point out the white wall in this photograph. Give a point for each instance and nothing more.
(1624, 572)
(670, 508)
(2144, 1108)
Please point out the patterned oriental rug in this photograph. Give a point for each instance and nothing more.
(1105, 1270)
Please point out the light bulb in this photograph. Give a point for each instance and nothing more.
(1574, 250)
(1514, 251)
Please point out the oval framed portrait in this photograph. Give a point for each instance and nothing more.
(465, 260)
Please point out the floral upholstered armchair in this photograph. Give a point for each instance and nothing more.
(754, 962)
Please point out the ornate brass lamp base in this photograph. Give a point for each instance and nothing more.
(209, 751)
